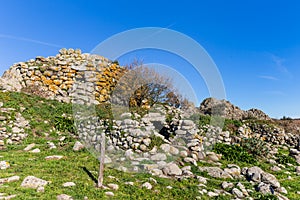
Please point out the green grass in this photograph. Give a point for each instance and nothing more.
(47, 123)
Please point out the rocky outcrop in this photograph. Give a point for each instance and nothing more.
(212, 106)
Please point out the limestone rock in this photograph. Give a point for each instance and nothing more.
(33, 182)
(64, 197)
(172, 170)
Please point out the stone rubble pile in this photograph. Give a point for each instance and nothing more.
(12, 126)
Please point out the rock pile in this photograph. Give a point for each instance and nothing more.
(12, 126)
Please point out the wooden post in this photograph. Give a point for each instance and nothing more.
(102, 158)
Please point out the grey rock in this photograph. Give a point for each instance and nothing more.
(113, 186)
(265, 188)
(78, 146)
(4, 164)
(158, 157)
(29, 147)
(69, 184)
(215, 172)
(226, 185)
(270, 179)
(33, 182)
(54, 157)
(64, 197)
(213, 156)
(172, 170)
(9, 179)
(236, 192)
(202, 180)
(212, 194)
(254, 173)
(275, 168)
(109, 194)
(298, 170)
(147, 185)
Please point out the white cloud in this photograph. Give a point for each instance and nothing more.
(30, 40)
(279, 64)
(269, 78)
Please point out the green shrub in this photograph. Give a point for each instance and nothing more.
(234, 153)
(260, 196)
(203, 120)
(255, 146)
(64, 124)
(155, 141)
(232, 125)
(284, 159)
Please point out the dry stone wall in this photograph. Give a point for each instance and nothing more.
(54, 77)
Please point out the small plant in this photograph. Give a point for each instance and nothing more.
(234, 153)
(255, 146)
(260, 196)
(203, 120)
(284, 159)
(64, 124)
(232, 125)
(155, 141)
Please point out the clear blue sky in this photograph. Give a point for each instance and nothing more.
(255, 44)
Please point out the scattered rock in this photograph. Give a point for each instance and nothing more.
(64, 197)
(40, 189)
(35, 150)
(147, 185)
(9, 179)
(215, 172)
(172, 170)
(109, 194)
(69, 184)
(226, 185)
(33, 182)
(29, 147)
(113, 186)
(4, 164)
(54, 157)
(159, 157)
(298, 170)
(78, 146)
(236, 192)
(265, 188)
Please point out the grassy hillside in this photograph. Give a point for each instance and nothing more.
(51, 121)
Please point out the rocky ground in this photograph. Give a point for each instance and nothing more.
(161, 155)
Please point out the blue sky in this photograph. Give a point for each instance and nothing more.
(255, 44)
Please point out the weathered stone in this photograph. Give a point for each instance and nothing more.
(215, 172)
(158, 157)
(78, 146)
(54, 157)
(64, 197)
(147, 185)
(113, 186)
(265, 188)
(298, 170)
(4, 164)
(9, 179)
(236, 192)
(172, 170)
(33, 182)
(109, 194)
(69, 184)
(29, 147)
